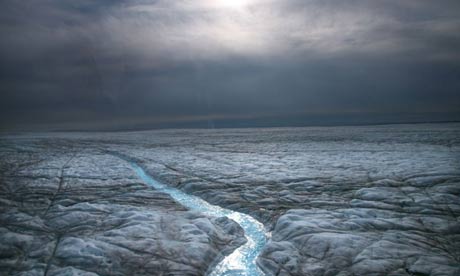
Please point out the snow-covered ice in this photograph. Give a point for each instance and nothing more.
(369, 200)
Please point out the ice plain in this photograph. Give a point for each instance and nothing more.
(368, 200)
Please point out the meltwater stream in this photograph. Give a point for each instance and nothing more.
(243, 260)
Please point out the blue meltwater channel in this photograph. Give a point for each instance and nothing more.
(242, 261)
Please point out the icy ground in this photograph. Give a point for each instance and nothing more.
(376, 200)
(242, 261)
(69, 209)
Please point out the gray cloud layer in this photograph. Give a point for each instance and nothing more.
(160, 63)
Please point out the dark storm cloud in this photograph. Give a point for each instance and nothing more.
(163, 63)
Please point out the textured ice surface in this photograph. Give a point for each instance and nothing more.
(241, 262)
(69, 209)
(377, 200)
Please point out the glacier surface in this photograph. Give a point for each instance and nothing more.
(362, 200)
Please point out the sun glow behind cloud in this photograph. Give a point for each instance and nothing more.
(203, 29)
(232, 3)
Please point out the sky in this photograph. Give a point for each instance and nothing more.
(108, 64)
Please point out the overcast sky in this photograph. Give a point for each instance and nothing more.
(111, 64)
